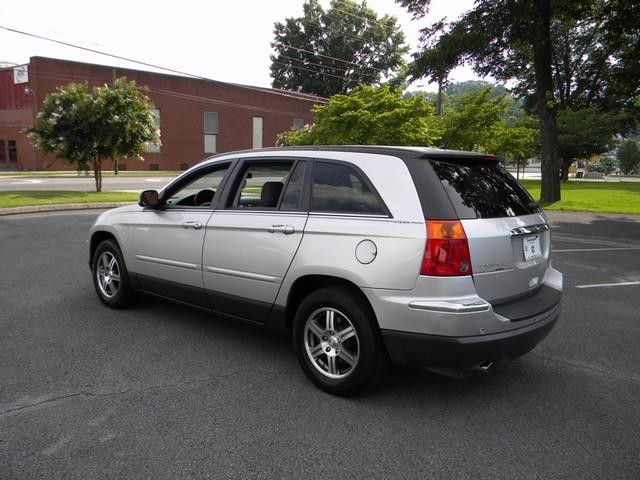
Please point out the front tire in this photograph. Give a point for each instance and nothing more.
(337, 341)
(110, 276)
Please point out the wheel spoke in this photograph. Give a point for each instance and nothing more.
(112, 262)
(115, 277)
(316, 351)
(346, 334)
(331, 365)
(104, 262)
(330, 320)
(316, 329)
(347, 357)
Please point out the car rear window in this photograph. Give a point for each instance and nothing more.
(483, 189)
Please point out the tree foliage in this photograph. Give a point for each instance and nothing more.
(381, 116)
(628, 156)
(369, 116)
(563, 54)
(84, 127)
(592, 64)
(333, 51)
(585, 132)
(475, 121)
(507, 40)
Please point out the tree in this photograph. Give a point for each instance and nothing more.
(607, 164)
(380, 115)
(506, 40)
(330, 52)
(85, 127)
(585, 132)
(562, 53)
(628, 156)
(369, 116)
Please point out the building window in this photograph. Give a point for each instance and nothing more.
(257, 132)
(3, 152)
(210, 132)
(298, 123)
(154, 147)
(13, 151)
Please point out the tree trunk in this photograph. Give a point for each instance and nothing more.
(97, 173)
(565, 173)
(545, 103)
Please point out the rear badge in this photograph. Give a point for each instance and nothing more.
(533, 282)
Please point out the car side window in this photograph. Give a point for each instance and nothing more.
(200, 191)
(293, 198)
(260, 185)
(342, 189)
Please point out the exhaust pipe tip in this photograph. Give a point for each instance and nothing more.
(483, 368)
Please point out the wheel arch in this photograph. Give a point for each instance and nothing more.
(98, 237)
(307, 284)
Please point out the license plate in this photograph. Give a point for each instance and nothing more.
(531, 247)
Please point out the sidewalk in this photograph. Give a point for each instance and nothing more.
(61, 207)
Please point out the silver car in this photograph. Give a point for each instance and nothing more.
(363, 255)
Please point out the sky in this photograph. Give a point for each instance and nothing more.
(223, 40)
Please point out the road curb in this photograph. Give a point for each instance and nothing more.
(60, 207)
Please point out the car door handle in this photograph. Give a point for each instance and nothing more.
(194, 225)
(286, 229)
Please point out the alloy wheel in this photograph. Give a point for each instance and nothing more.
(331, 343)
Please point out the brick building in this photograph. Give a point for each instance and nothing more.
(197, 117)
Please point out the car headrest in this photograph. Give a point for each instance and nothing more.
(270, 194)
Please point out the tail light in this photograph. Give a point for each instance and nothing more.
(447, 250)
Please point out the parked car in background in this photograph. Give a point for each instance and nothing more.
(425, 257)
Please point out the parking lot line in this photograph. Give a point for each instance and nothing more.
(618, 284)
(607, 249)
(592, 241)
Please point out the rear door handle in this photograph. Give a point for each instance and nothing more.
(194, 225)
(286, 229)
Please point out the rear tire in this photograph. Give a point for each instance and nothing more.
(110, 276)
(337, 341)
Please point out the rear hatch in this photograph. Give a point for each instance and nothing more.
(508, 236)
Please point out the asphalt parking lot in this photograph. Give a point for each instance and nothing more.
(164, 391)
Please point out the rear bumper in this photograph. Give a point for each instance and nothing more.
(436, 350)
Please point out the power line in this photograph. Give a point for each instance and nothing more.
(309, 70)
(359, 16)
(332, 58)
(305, 62)
(101, 53)
(41, 37)
(341, 34)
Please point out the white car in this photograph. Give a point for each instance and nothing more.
(426, 257)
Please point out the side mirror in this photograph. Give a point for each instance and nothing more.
(149, 198)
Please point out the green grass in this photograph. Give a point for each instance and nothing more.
(599, 197)
(34, 197)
